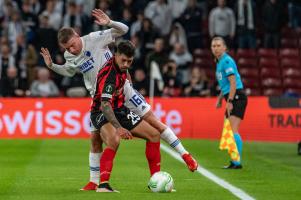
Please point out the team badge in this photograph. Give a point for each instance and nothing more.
(88, 53)
(109, 89)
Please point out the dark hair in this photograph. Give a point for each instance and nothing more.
(65, 34)
(126, 47)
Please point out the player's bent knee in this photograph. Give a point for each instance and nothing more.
(152, 134)
(113, 142)
(154, 121)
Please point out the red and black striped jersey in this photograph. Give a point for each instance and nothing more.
(109, 86)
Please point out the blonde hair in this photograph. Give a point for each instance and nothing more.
(65, 34)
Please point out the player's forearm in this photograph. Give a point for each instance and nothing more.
(109, 113)
(62, 70)
(220, 96)
(232, 87)
(118, 28)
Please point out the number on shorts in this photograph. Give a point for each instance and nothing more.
(136, 100)
(133, 117)
(141, 97)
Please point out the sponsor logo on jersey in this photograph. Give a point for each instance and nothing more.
(87, 65)
(104, 95)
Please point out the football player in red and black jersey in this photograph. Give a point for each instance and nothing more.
(116, 121)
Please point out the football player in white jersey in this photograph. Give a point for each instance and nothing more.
(88, 54)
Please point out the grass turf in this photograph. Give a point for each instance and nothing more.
(56, 169)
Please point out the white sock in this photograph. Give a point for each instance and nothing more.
(170, 137)
(94, 162)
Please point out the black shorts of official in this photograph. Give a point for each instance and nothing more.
(239, 102)
(125, 117)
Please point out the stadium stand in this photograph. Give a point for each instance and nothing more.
(23, 31)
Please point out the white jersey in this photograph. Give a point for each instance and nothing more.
(94, 55)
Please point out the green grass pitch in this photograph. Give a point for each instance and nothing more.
(57, 169)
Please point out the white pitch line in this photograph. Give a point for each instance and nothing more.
(234, 190)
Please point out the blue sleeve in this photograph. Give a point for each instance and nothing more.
(228, 67)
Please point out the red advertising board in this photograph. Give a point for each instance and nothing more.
(188, 117)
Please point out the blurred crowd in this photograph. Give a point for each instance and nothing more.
(168, 32)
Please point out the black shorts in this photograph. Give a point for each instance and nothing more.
(125, 117)
(240, 102)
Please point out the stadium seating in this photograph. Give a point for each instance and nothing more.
(289, 43)
(288, 32)
(267, 72)
(291, 72)
(264, 71)
(289, 53)
(202, 53)
(251, 82)
(246, 53)
(249, 72)
(247, 63)
(271, 82)
(204, 63)
(253, 91)
(270, 53)
(268, 62)
(272, 92)
(292, 83)
(290, 63)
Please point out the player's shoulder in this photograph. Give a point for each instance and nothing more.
(108, 65)
(227, 59)
(97, 34)
(68, 56)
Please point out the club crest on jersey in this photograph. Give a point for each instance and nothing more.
(88, 53)
(87, 65)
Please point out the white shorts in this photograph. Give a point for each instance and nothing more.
(134, 100)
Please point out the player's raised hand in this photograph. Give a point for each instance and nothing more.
(124, 134)
(46, 56)
(101, 18)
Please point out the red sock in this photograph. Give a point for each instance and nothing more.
(153, 156)
(106, 164)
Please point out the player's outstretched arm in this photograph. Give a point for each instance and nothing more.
(60, 69)
(102, 19)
